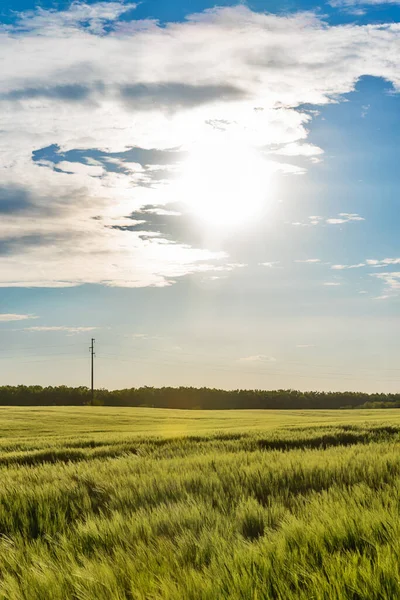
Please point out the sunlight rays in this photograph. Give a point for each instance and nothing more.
(225, 183)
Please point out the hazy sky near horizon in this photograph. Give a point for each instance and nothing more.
(209, 190)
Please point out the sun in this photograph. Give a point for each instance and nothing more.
(225, 183)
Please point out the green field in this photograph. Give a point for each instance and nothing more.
(111, 503)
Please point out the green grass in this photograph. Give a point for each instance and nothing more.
(140, 504)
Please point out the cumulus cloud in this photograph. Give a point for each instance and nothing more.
(153, 89)
(6, 317)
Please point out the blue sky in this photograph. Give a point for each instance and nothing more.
(211, 191)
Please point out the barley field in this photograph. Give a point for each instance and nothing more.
(126, 503)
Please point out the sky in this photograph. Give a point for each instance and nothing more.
(211, 191)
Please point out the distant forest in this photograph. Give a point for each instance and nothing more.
(193, 398)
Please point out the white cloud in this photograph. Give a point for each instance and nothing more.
(342, 267)
(217, 277)
(81, 169)
(60, 328)
(350, 3)
(314, 220)
(144, 336)
(339, 220)
(345, 218)
(299, 149)
(391, 280)
(6, 317)
(332, 284)
(364, 110)
(357, 12)
(27, 283)
(60, 23)
(309, 261)
(258, 358)
(154, 87)
(378, 264)
(271, 265)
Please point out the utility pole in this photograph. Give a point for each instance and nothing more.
(92, 355)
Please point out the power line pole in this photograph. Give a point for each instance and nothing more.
(92, 355)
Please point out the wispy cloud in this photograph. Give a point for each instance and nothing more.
(305, 346)
(355, 3)
(271, 265)
(90, 17)
(309, 261)
(6, 317)
(391, 280)
(258, 359)
(313, 220)
(364, 110)
(145, 336)
(378, 264)
(339, 220)
(343, 267)
(345, 218)
(60, 328)
(300, 149)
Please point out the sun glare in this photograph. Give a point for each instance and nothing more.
(225, 184)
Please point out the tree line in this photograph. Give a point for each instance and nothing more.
(193, 398)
